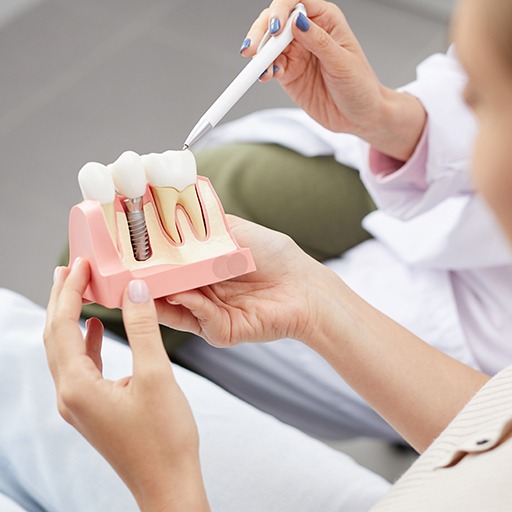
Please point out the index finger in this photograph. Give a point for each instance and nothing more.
(278, 14)
(272, 18)
(281, 10)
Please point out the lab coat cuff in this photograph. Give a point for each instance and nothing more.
(386, 169)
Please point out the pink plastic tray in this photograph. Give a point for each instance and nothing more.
(90, 238)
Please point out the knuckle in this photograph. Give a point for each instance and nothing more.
(64, 411)
(335, 11)
(70, 401)
(156, 378)
(59, 331)
(46, 335)
(143, 324)
(323, 41)
(55, 324)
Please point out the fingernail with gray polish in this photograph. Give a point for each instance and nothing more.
(245, 45)
(302, 23)
(275, 25)
(263, 74)
(138, 292)
(76, 263)
(276, 69)
(56, 274)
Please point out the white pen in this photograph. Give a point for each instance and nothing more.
(269, 49)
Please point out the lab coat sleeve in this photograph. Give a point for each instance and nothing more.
(440, 167)
(429, 213)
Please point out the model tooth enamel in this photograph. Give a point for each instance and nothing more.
(130, 181)
(128, 175)
(172, 176)
(96, 184)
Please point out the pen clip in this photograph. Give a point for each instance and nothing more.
(299, 8)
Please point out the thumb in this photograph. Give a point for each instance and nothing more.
(142, 329)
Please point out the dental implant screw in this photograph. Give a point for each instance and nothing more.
(138, 229)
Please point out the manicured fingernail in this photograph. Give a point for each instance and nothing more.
(87, 323)
(138, 292)
(276, 69)
(56, 274)
(275, 25)
(263, 74)
(76, 263)
(245, 45)
(302, 22)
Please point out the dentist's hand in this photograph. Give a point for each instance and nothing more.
(142, 424)
(279, 300)
(325, 72)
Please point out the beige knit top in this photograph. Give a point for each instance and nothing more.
(469, 467)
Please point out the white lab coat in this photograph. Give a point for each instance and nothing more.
(439, 264)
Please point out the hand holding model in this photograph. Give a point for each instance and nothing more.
(291, 295)
(325, 72)
(141, 424)
(275, 302)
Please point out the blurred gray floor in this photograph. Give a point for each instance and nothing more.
(85, 80)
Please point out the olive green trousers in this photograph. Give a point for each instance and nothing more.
(316, 201)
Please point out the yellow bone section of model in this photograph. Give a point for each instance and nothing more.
(167, 198)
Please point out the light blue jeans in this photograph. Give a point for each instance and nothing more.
(251, 461)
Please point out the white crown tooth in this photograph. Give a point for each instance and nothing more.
(157, 172)
(128, 175)
(189, 164)
(96, 183)
(182, 167)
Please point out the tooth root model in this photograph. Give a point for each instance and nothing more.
(172, 176)
(96, 184)
(130, 182)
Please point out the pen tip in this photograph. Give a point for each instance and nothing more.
(185, 146)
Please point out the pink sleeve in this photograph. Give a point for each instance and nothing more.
(385, 169)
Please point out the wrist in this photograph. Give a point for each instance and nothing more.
(175, 491)
(397, 126)
(328, 315)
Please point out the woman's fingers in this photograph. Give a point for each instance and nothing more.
(200, 312)
(201, 307)
(143, 332)
(59, 276)
(62, 333)
(272, 19)
(172, 314)
(278, 13)
(279, 66)
(186, 311)
(317, 41)
(255, 35)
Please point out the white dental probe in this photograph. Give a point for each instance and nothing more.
(269, 49)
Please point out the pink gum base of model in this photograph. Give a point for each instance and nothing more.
(89, 237)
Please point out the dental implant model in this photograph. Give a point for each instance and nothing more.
(173, 234)
(130, 182)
